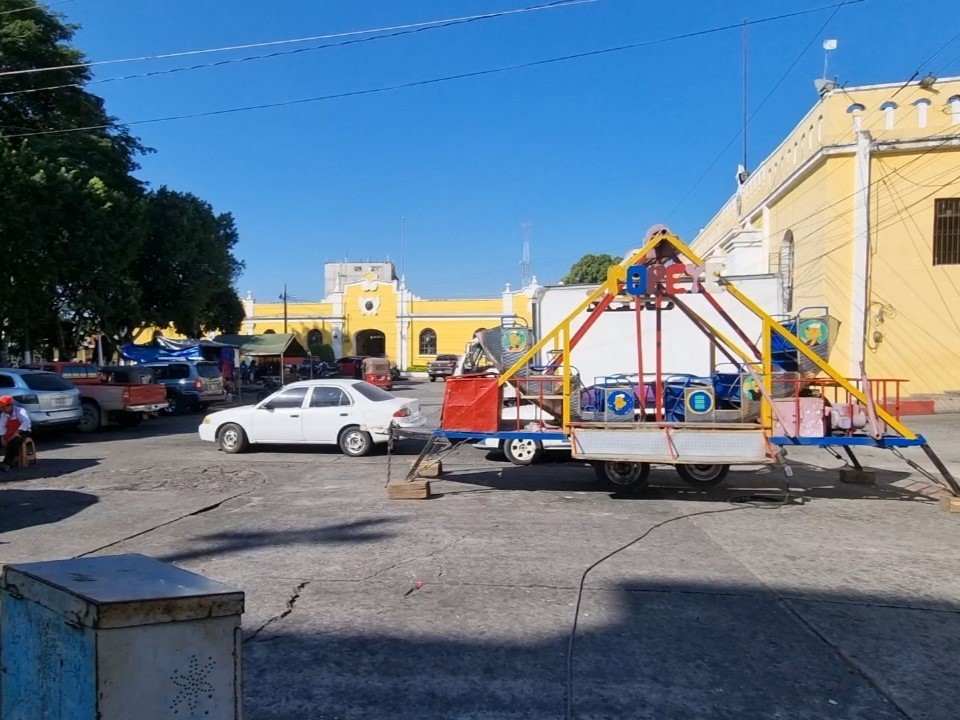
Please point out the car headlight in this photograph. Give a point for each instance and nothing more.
(205, 421)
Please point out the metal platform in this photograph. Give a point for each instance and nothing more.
(888, 441)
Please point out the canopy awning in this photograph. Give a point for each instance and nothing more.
(268, 344)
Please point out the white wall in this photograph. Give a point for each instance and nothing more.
(610, 346)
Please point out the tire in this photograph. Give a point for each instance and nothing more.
(703, 476)
(433, 378)
(623, 476)
(232, 439)
(177, 405)
(355, 442)
(523, 452)
(90, 420)
(130, 419)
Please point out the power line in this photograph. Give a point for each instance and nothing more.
(423, 27)
(783, 77)
(330, 36)
(36, 7)
(434, 81)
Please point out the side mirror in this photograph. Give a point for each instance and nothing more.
(266, 406)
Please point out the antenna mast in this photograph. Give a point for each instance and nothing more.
(525, 259)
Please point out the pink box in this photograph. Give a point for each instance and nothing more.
(812, 417)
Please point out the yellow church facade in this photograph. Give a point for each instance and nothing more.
(377, 313)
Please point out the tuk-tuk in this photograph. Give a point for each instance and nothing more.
(376, 371)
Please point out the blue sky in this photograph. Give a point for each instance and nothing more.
(591, 152)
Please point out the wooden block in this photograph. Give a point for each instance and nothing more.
(852, 475)
(430, 469)
(413, 490)
(950, 504)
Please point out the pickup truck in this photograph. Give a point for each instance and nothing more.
(113, 393)
(443, 366)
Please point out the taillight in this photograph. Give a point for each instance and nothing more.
(198, 384)
(126, 396)
(402, 412)
(28, 400)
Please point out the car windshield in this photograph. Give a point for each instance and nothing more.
(208, 370)
(45, 381)
(447, 358)
(372, 392)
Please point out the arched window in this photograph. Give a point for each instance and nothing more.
(855, 110)
(314, 338)
(922, 104)
(269, 332)
(428, 342)
(954, 104)
(889, 112)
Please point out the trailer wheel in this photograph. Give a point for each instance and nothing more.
(623, 476)
(703, 476)
(522, 452)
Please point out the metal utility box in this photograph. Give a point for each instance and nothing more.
(118, 637)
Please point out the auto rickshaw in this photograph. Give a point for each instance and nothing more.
(376, 371)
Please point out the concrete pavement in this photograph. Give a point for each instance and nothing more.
(842, 604)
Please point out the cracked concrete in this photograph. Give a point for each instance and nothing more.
(843, 607)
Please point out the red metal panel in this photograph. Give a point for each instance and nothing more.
(471, 404)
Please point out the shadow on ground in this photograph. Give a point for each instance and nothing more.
(165, 425)
(21, 509)
(657, 651)
(664, 484)
(234, 541)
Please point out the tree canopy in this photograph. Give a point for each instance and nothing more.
(85, 246)
(590, 269)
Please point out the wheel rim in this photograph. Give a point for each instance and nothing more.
(704, 473)
(353, 441)
(622, 473)
(88, 421)
(523, 449)
(230, 438)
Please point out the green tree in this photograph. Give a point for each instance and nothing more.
(590, 269)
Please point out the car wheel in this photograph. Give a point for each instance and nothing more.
(522, 452)
(703, 475)
(355, 442)
(623, 476)
(90, 419)
(176, 405)
(232, 439)
(433, 378)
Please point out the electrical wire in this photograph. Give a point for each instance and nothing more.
(36, 7)
(433, 81)
(745, 503)
(311, 38)
(739, 132)
(419, 28)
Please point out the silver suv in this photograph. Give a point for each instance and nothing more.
(190, 385)
(48, 398)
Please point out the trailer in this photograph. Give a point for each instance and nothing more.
(760, 396)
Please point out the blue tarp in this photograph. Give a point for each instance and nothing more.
(163, 349)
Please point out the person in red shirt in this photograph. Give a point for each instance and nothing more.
(14, 427)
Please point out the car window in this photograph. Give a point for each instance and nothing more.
(372, 392)
(78, 371)
(328, 397)
(178, 372)
(292, 398)
(46, 381)
(208, 370)
(7, 381)
(447, 358)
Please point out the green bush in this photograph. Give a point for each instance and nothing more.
(324, 353)
(417, 368)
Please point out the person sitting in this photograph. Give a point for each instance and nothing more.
(14, 429)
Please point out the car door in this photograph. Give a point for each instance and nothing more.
(328, 410)
(279, 418)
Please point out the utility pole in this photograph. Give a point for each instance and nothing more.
(284, 308)
(525, 259)
(746, 167)
(403, 237)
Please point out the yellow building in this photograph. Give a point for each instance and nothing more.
(370, 311)
(859, 210)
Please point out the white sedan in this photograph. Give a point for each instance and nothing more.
(352, 414)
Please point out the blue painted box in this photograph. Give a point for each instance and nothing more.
(124, 636)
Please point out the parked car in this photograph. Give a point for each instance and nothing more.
(49, 399)
(191, 385)
(112, 393)
(442, 366)
(350, 366)
(350, 413)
